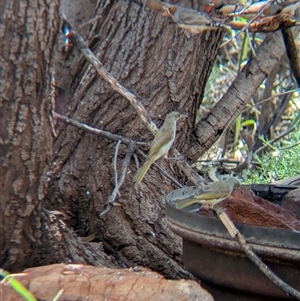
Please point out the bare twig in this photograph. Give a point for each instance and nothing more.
(217, 161)
(136, 160)
(265, 269)
(225, 219)
(94, 131)
(120, 181)
(271, 97)
(80, 44)
(112, 137)
(258, 151)
(115, 163)
(290, 146)
(249, 23)
(250, 44)
(189, 172)
(233, 231)
(267, 117)
(168, 176)
(264, 148)
(281, 107)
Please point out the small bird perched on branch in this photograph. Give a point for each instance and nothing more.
(189, 19)
(210, 194)
(161, 143)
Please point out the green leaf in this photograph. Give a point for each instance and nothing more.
(17, 286)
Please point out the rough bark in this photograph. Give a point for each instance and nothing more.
(30, 234)
(29, 32)
(211, 127)
(78, 12)
(153, 58)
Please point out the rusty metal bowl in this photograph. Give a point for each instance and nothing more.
(218, 261)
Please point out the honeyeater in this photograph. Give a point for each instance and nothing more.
(161, 143)
(210, 194)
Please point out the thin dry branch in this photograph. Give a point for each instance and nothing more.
(113, 137)
(233, 231)
(246, 27)
(281, 135)
(115, 165)
(264, 148)
(94, 131)
(119, 182)
(172, 179)
(265, 269)
(271, 97)
(80, 44)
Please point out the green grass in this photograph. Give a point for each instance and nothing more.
(277, 164)
(16, 286)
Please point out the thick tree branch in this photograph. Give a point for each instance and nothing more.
(212, 126)
(292, 52)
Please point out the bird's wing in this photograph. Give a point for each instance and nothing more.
(209, 196)
(160, 140)
(193, 17)
(212, 191)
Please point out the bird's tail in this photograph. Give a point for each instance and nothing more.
(138, 177)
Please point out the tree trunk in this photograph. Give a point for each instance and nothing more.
(167, 71)
(31, 235)
(146, 53)
(29, 32)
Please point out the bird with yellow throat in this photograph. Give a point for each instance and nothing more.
(211, 194)
(161, 143)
